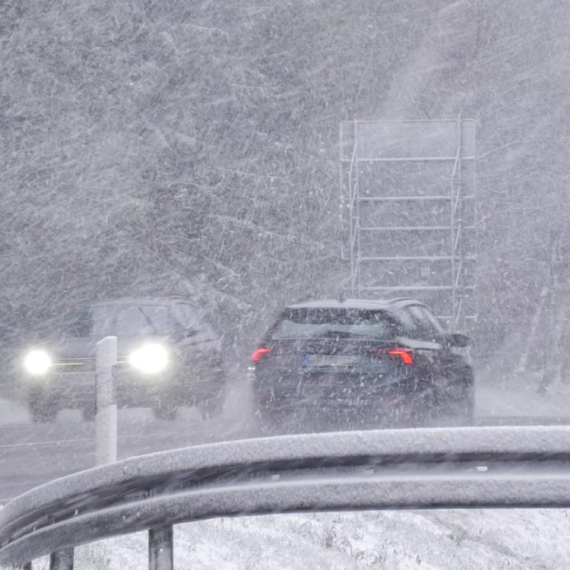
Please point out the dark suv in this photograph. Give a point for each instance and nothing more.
(167, 356)
(381, 360)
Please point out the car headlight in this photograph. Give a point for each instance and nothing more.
(150, 358)
(37, 362)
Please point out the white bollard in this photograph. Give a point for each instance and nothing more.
(106, 418)
(105, 427)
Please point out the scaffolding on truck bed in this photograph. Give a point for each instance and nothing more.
(408, 203)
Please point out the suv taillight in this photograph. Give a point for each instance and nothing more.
(258, 353)
(405, 354)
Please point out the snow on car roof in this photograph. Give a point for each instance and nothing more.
(369, 304)
(140, 301)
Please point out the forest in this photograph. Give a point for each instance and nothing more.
(191, 148)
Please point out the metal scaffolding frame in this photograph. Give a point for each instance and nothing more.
(379, 160)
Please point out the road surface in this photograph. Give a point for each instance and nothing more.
(32, 454)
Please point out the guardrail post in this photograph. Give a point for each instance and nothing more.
(160, 548)
(106, 418)
(61, 559)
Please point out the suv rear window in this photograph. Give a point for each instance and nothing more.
(331, 323)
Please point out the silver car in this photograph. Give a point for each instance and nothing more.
(168, 356)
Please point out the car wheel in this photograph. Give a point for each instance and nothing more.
(212, 407)
(265, 419)
(41, 407)
(165, 412)
(463, 410)
(267, 426)
(413, 407)
(459, 404)
(412, 414)
(275, 420)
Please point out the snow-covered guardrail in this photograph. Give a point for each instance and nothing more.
(406, 469)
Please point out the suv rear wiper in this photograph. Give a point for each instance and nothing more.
(335, 334)
(347, 334)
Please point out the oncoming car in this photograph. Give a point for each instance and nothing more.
(168, 356)
(386, 361)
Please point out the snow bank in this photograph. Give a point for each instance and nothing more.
(454, 540)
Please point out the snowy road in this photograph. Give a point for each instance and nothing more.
(32, 454)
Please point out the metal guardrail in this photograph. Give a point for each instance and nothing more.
(491, 467)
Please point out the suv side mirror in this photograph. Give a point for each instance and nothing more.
(458, 340)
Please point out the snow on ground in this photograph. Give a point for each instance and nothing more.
(454, 540)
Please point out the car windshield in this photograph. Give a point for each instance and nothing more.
(134, 320)
(297, 218)
(328, 323)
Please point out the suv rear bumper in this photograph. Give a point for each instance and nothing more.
(330, 391)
